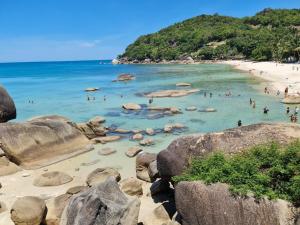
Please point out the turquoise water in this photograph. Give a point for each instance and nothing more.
(58, 88)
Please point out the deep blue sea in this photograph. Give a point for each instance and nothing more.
(58, 88)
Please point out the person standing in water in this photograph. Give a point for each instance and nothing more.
(253, 104)
(239, 123)
(296, 110)
(150, 101)
(266, 110)
(287, 110)
(286, 91)
(250, 101)
(210, 94)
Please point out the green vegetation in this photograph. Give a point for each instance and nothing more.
(268, 170)
(269, 35)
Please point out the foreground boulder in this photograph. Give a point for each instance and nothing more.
(199, 204)
(7, 106)
(28, 211)
(41, 141)
(176, 157)
(132, 186)
(103, 204)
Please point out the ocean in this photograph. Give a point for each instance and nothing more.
(58, 88)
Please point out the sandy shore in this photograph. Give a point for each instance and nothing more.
(278, 75)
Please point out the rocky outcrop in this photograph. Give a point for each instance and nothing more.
(54, 178)
(143, 161)
(125, 77)
(7, 106)
(41, 141)
(101, 174)
(102, 204)
(93, 128)
(176, 157)
(171, 93)
(199, 204)
(28, 211)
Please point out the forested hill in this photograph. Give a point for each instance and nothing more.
(269, 35)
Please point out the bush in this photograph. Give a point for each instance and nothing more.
(265, 170)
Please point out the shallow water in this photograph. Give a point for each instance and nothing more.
(58, 88)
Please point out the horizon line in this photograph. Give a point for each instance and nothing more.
(53, 61)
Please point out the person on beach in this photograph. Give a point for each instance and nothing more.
(266, 110)
(288, 110)
(239, 123)
(286, 91)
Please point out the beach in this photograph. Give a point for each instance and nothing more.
(278, 75)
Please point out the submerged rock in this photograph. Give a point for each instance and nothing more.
(106, 139)
(7, 106)
(137, 137)
(41, 141)
(125, 77)
(28, 211)
(102, 204)
(176, 157)
(195, 201)
(171, 93)
(54, 178)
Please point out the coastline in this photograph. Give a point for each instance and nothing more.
(278, 75)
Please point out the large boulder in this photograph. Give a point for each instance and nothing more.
(199, 204)
(7, 106)
(176, 157)
(132, 186)
(28, 210)
(104, 204)
(143, 160)
(41, 141)
(54, 178)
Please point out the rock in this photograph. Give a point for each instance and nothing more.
(125, 77)
(152, 170)
(115, 61)
(150, 131)
(147, 142)
(92, 130)
(101, 174)
(143, 161)
(41, 141)
(207, 110)
(106, 151)
(183, 84)
(55, 208)
(122, 131)
(54, 178)
(8, 108)
(76, 190)
(7, 167)
(91, 89)
(25, 175)
(159, 216)
(102, 204)
(172, 110)
(2, 153)
(171, 93)
(137, 137)
(291, 99)
(132, 106)
(170, 127)
(191, 108)
(104, 140)
(28, 211)
(93, 162)
(96, 121)
(132, 186)
(195, 201)
(176, 157)
(160, 186)
(133, 151)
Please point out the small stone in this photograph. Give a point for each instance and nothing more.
(106, 151)
(191, 108)
(132, 106)
(137, 137)
(150, 131)
(147, 142)
(25, 175)
(133, 151)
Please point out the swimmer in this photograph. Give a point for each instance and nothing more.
(239, 123)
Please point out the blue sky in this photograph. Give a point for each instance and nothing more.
(45, 30)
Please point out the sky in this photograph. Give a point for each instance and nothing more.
(55, 30)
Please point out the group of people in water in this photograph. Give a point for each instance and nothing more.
(294, 115)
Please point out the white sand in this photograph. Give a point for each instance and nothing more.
(278, 75)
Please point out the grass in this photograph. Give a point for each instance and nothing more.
(266, 170)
